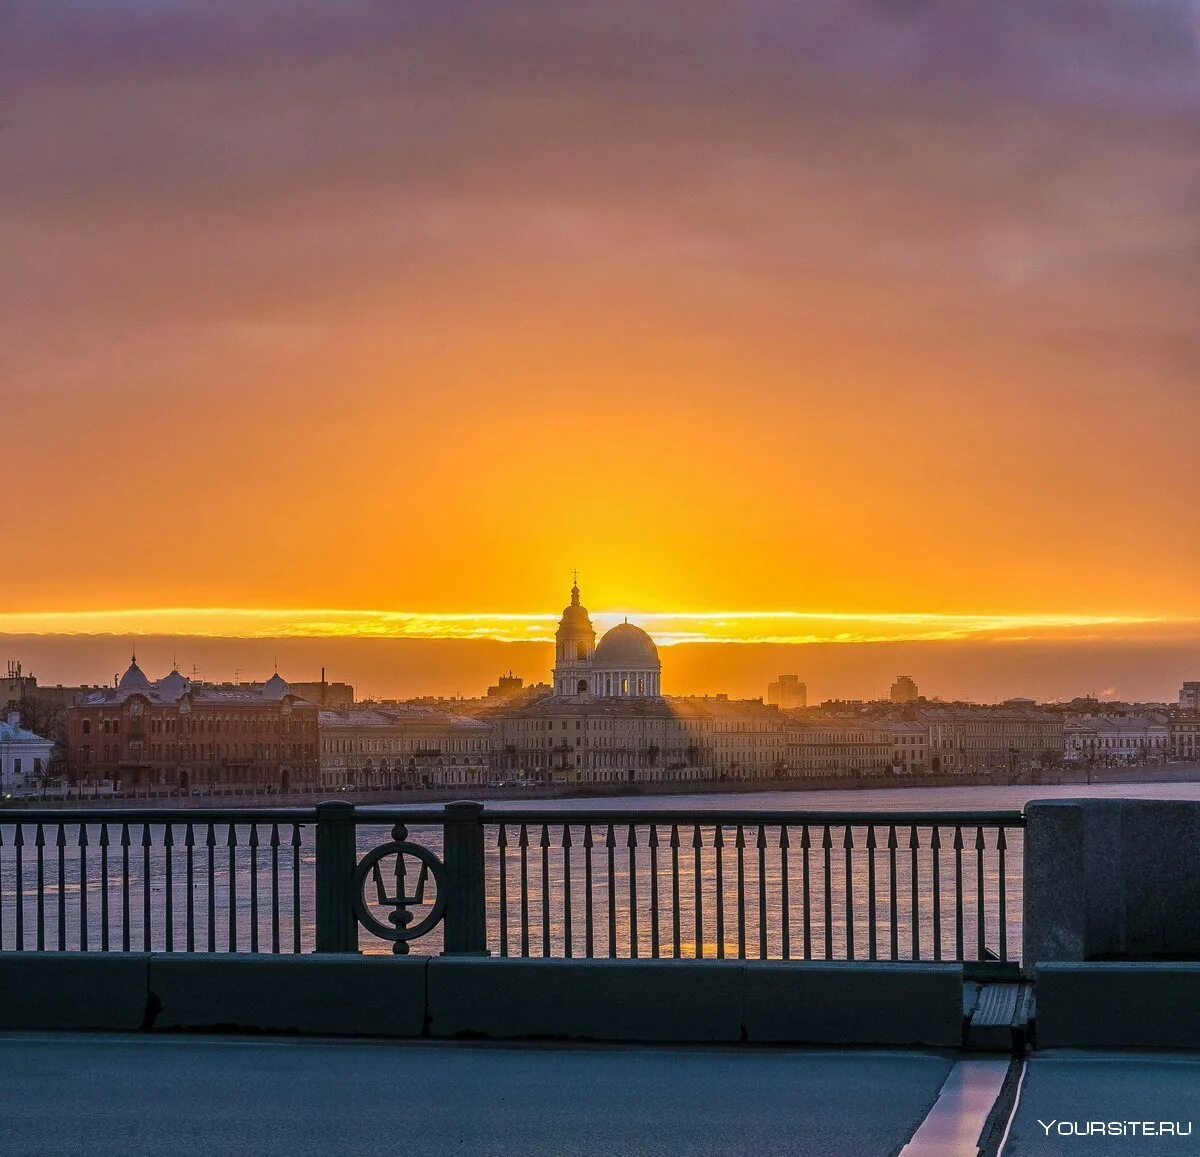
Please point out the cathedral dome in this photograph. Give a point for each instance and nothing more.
(275, 687)
(173, 686)
(626, 646)
(576, 614)
(134, 680)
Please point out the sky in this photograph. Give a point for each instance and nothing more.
(877, 314)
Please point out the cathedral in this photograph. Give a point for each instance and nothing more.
(623, 665)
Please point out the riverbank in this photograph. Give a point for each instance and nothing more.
(1172, 773)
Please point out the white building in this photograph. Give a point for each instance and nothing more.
(373, 748)
(910, 745)
(607, 720)
(24, 759)
(1116, 740)
(623, 665)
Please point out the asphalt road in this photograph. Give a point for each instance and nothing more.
(191, 1094)
(1067, 1090)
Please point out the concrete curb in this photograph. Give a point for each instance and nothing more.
(667, 1001)
(854, 1003)
(1118, 1005)
(610, 1000)
(74, 990)
(678, 1000)
(317, 994)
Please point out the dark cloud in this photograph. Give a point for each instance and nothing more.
(903, 171)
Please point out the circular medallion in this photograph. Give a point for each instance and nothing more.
(400, 874)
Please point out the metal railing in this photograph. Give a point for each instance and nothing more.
(121, 881)
(585, 882)
(780, 885)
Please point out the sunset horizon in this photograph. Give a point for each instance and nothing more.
(625, 576)
(779, 311)
(1041, 653)
(671, 627)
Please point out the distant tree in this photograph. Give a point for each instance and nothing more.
(50, 722)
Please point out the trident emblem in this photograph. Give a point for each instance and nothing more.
(400, 901)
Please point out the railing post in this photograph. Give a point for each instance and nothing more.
(337, 924)
(466, 928)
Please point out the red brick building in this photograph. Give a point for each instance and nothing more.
(169, 734)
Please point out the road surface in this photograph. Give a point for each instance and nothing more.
(192, 1094)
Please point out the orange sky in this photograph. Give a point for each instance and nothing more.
(843, 310)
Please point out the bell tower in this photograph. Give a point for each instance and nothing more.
(574, 644)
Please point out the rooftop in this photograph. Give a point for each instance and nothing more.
(392, 717)
(15, 733)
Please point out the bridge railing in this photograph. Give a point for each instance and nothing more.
(128, 880)
(763, 885)
(589, 881)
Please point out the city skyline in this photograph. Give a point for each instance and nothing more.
(998, 657)
(406, 668)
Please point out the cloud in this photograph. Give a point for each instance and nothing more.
(927, 256)
(667, 628)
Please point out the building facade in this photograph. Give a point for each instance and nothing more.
(740, 738)
(168, 735)
(326, 695)
(585, 739)
(838, 748)
(24, 759)
(1183, 735)
(974, 740)
(1117, 740)
(910, 745)
(787, 693)
(581, 739)
(374, 748)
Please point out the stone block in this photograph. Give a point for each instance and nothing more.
(1053, 918)
(321, 994)
(1118, 1005)
(1112, 880)
(73, 990)
(853, 1003)
(617, 1000)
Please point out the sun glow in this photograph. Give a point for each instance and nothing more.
(788, 627)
